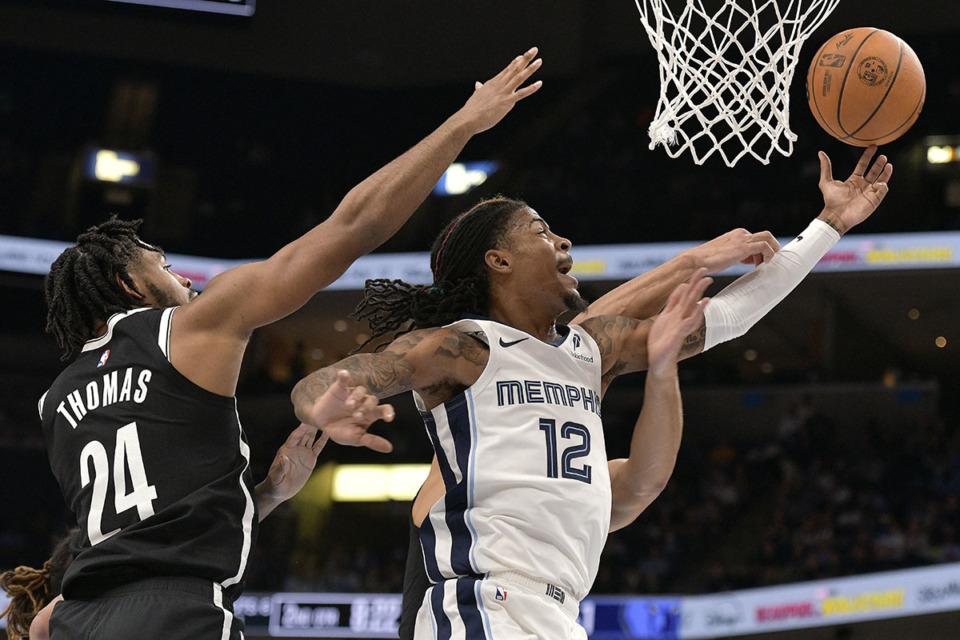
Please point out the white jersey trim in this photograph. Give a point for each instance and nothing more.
(163, 335)
(248, 510)
(227, 616)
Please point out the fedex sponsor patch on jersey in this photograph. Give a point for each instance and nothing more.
(103, 358)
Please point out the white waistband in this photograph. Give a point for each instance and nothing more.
(559, 595)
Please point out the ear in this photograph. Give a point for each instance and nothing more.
(498, 261)
(130, 292)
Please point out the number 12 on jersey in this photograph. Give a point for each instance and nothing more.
(563, 463)
(127, 458)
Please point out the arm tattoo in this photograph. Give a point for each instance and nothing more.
(383, 374)
(693, 343)
(832, 224)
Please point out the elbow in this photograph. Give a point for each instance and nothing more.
(632, 502)
(298, 398)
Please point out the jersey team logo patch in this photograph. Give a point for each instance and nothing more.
(103, 358)
(579, 356)
(501, 594)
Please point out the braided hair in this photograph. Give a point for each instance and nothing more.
(460, 281)
(30, 590)
(82, 289)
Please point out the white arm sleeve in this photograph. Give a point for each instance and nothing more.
(732, 312)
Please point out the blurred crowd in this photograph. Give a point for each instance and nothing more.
(805, 506)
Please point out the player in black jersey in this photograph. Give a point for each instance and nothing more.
(34, 592)
(142, 430)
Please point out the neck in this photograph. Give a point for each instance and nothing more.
(99, 328)
(518, 314)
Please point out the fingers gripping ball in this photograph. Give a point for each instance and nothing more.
(866, 86)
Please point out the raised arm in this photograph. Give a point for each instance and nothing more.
(741, 304)
(644, 296)
(846, 204)
(242, 299)
(637, 480)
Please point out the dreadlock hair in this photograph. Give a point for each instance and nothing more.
(30, 590)
(460, 281)
(82, 289)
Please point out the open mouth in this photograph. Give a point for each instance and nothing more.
(564, 268)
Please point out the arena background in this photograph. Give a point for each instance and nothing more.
(824, 444)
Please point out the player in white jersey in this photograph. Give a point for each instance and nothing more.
(500, 260)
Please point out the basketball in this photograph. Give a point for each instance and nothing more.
(865, 86)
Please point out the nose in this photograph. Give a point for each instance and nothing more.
(563, 244)
(186, 282)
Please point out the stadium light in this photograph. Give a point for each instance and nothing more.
(377, 482)
(120, 167)
(944, 154)
(463, 177)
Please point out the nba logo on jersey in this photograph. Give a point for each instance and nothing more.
(501, 595)
(103, 358)
(576, 341)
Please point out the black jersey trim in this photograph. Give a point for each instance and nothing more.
(96, 343)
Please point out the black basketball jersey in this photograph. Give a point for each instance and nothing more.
(155, 468)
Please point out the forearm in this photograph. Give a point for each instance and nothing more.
(306, 392)
(266, 502)
(380, 374)
(644, 295)
(381, 204)
(640, 478)
(740, 305)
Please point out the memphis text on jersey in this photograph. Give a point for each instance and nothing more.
(117, 386)
(511, 392)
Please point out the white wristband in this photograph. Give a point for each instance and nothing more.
(732, 312)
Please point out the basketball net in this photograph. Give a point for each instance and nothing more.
(725, 74)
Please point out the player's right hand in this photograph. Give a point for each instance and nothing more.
(848, 203)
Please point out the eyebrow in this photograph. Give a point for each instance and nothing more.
(541, 221)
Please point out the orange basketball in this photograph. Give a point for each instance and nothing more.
(866, 86)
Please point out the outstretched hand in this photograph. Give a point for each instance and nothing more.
(294, 463)
(344, 413)
(847, 204)
(681, 316)
(733, 247)
(493, 99)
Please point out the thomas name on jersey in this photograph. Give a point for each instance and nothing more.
(116, 386)
(510, 392)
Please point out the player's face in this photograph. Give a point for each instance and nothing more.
(543, 262)
(161, 286)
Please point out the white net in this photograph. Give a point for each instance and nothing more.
(725, 73)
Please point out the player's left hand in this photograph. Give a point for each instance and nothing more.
(847, 204)
(680, 317)
(345, 411)
(294, 463)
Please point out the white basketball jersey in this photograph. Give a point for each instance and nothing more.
(523, 458)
